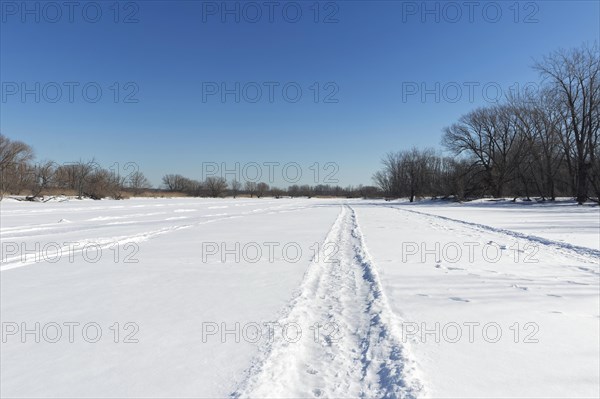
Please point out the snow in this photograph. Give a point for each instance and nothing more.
(551, 220)
(559, 293)
(360, 293)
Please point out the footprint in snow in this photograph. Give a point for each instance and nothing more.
(422, 295)
(312, 371)
(317, 392)
(455, 298)
(519, 287)
(501, 246)
(554, 295)
(587, 269)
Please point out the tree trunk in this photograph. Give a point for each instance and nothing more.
(582, 169)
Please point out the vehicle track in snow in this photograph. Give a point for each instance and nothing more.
(105, 242)
(585, 254)
(363, 358)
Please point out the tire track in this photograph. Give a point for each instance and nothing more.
(588, 255)
(14, 262)
(364, 358)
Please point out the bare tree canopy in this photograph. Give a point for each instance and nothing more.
(14, 165)
(138, 182)
(216, 186)
(573, 77)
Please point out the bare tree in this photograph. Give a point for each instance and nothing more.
(192, 187)
(82, 170)
(383, 180)
(261, 189)
(103, 183)
(215, 186)
(250, 188)
(236, 186)
(306, 190)
(174, 182)
(138, 182)
(276, 192)
(294, 191)
(43, 176)
(75, 176)
(14, 165)
(407, 173)
(574, 79)
(490, 138)
(416, 167)
(540, 125)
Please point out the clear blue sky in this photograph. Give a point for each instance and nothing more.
(371, 54)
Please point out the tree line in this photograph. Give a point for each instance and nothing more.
(215, 186)
(19, 175)
(543, 144)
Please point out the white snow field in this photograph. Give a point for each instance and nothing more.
(299, 298)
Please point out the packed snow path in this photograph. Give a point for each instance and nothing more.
(360, 354)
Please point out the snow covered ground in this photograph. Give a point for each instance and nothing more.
(299, 298)
(553, 221)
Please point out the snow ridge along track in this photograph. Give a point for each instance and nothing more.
(363, 357)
